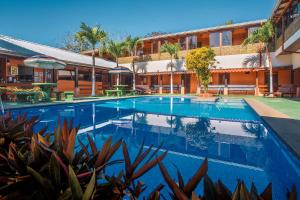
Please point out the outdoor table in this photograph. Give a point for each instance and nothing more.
(121, 88)
(46, 89)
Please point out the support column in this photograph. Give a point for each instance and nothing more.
(77, 89)
(151, 47)
(226, 85)
(182, 88)
(221, 42)
(160, 84)
(256, 85)
(158, 48)
(187, 43)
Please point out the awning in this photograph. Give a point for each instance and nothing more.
(44, 62)
(229, 70)
(120, 70)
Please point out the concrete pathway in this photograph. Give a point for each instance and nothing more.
(286, 128)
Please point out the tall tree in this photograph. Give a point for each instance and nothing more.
(264, 35)
(94, 35)
(116, 49)
(75, 43)
(199, 61)
(172, 50)
(131, 45)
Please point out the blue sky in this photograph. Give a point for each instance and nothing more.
(48, 21)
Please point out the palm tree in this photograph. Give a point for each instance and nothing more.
(172, 50)
(131, 45)
(82, 41)
(116, 49)
(93, 35)
(264, 35)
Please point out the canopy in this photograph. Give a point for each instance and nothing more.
(44, 62)
(119, 70)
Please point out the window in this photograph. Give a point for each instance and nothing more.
(226, 38)
(182, 43)
(192, 41)
(155, 47)
(25, 74)
(214, 39)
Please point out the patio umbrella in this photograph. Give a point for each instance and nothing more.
(44, 62)
(119, 71)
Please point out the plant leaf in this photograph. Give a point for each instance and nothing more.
(54, 171)
(194, 181)
(267, 193)
(75, 185)
(90, 188)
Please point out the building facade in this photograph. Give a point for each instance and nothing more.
(238, 68)
(75, 77)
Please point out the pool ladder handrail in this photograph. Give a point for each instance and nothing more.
(2, 106)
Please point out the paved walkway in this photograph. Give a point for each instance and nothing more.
(286, 128)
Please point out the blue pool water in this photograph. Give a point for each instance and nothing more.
(229, 133)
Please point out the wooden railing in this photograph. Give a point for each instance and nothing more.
(220, 51)
(289, 31)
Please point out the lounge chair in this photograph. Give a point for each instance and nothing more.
(285, 90)
(143, 89)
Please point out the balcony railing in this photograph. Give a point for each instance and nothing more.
(289, 31)
(219, 51)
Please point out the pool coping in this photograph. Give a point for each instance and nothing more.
(285, 128)
(67, 102)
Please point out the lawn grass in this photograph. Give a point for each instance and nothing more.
(286, 106)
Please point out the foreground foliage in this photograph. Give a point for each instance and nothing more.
(49, 166)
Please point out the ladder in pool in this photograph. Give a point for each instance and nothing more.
(218, 98)
(2, 106)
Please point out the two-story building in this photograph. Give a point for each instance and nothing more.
(238, 67)
(286, 16)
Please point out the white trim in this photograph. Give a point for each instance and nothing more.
(289, 42)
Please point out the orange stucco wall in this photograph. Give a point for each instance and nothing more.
(284, 77)
(85, 87)
(242, 78)
(297, 77)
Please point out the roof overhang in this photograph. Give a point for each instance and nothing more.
(210, 29)
(280, 8)
(229, 70)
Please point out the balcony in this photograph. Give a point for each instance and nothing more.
(289, 31)
(219, 51)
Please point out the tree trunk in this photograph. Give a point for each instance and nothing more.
(133, 80)
(198, 92)
(171, 91)
(119, 75)
(133, 72)
(271, 71)
(93, 73)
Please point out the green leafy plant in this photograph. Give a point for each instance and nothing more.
(172, 50)
(48, 166)
(264, 36)
(93, 35)
(199, 61)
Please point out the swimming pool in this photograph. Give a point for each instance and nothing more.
(229, 133)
